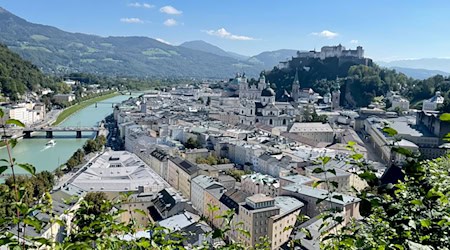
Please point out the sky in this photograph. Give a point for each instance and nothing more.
(388, 30)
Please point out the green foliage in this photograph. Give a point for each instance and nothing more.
(34, 188)
(237, 174)
(18, 76)
(309, 116)
(411, 214)
(390, 131)
(361, 83)
(445, 117)
(212, 160)
(192, 143)
(90, 146)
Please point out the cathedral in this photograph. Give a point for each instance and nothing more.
(258, 105)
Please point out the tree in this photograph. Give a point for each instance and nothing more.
(95, 200)
(192, 143)
(90, 146)
(59, 173)
(101, 141)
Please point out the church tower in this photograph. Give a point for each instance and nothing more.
(243, 85)
(336, 95)
(295, 93)
(262, 81)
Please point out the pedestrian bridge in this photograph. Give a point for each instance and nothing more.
(27, 132)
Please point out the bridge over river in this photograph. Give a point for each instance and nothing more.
(49, 131)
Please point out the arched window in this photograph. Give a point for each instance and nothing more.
(251, 111)
(257, 120)
(270, 122)
(284, 121)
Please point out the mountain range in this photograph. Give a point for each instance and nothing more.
(420, 74)
(420, 68)
(59, 52)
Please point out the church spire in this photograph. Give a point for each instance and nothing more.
(295, 93)
(296, 77)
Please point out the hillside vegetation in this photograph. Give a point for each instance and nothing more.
(57, 51)
(18, 76)
(359, 83)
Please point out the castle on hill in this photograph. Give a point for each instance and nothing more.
(338, 52)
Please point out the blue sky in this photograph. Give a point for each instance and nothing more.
(388, 30)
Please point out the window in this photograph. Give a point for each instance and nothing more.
(270, 122)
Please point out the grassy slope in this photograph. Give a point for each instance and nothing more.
(74, 108)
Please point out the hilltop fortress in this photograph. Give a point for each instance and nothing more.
(338, 52)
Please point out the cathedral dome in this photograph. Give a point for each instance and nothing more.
(268, 92)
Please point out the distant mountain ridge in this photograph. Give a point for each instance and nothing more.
(420, 74)
(207, 47)
(269, 59)
(57, 51)
(440, 64)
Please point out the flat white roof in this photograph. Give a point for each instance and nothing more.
(118, 171)
(300, 127)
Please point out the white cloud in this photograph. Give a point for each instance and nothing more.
(162, 41)
(170, 10)
(326, 33)
(223, 33)
(141, 5)
(131, 20)
(354, 41)
(170, 22)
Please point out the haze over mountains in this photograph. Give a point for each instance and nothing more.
(57, 51)
(420, 68)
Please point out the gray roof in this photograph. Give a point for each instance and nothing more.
(324, 175)
(407, 126)
(288, 204)
(185, 165)
(206, 182)
(320, 193)
(299, 179)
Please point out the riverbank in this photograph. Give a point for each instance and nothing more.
(77, 107)
(35, 152)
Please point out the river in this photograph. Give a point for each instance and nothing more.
(35, 152)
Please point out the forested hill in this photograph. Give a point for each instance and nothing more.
(18, 75)
(359, 83)
(57, 51)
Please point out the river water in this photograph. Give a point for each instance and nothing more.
(35, 152)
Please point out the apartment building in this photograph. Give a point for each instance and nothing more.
(180, 174)
(199, 185)
(264, 216)
(349, 205)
